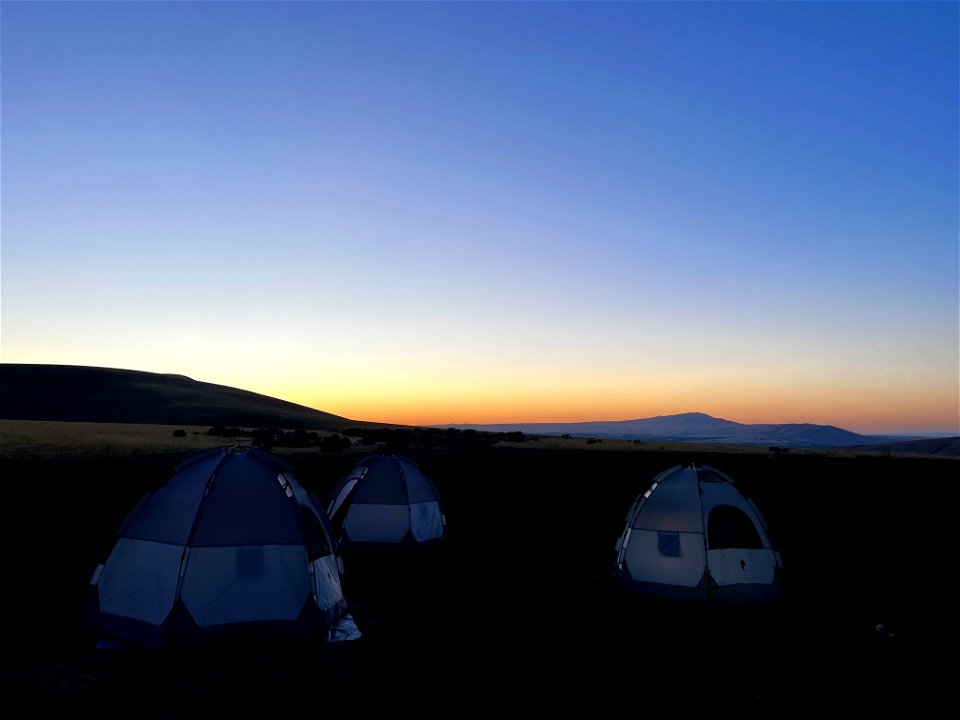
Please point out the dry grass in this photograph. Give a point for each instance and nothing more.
(657, 446)
(47, 439)
(550, 442)
(37, 439)
(546, 442)
(28, 439)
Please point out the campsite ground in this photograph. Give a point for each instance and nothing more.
(514, 611)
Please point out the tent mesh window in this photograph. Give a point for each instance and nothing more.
(730, 527)
(668, 543)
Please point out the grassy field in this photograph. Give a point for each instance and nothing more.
(24, 439)
(550, 442)
(38, 439)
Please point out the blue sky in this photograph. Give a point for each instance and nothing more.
(494, 212)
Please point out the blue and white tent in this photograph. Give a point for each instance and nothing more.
(231, 542)
(692, 535)
(386, 502)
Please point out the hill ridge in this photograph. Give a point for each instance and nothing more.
(81, 393)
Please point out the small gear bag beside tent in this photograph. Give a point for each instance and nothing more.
(386, 502)
(232, 542)
(692, 535)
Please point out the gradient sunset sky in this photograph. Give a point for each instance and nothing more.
(454, 212)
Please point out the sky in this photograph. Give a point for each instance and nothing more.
(493, 212)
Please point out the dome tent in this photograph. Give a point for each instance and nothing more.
(232, 542)
(692, 535)
(386, 502)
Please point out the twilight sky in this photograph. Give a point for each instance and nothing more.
(452, 212)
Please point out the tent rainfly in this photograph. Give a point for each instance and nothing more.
(694, 536)
(386, 502)
(232, 542)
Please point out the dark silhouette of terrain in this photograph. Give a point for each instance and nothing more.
(515, 609)
(92, 394)
(699, 428)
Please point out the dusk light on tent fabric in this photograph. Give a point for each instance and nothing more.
(427, 213)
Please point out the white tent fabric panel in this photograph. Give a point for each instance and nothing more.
(243, 584)
(326, 585)
(139, 580)
(377, 523)
(669, 506)
(647, 563)
(169, 514)
(420, 489)
(426, 521)
(713, 494)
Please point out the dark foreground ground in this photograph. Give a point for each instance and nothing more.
(514, 613)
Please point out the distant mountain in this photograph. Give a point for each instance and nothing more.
(695, 427)
(94, 394)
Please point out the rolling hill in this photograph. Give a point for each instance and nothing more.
(76, 393)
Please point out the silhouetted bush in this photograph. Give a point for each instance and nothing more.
(221, 431)
(264, 438)
(334, 443)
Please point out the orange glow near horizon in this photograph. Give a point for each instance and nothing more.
(421, 392)
(853, 421)
(850, 409)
